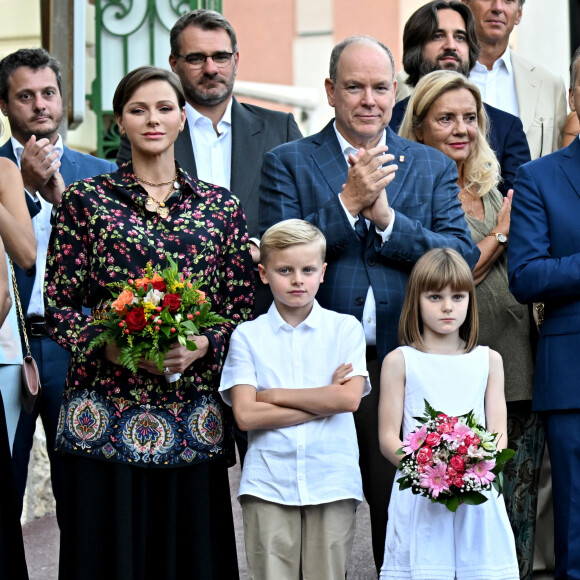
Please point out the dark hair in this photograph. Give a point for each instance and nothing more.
(421, 27)
(339, 48)
(573, 68)
(204, 19)
(34, 58)
(137, 77)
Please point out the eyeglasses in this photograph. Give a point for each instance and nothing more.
(197, 60)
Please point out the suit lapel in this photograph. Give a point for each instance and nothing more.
(570, 165)
(184, 152)
(69, 168)
(403, 159)
(330, 160)
(247, 148)
(527, 90)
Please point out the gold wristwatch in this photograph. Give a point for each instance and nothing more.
(501, 238)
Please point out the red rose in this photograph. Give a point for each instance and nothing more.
(451, 472)
(476, 441)
(458, 481)
(135, 320)
(462, 450)
(159, 285)
(433, 439)
(172, 302)
(424, 455)
(445, 428)
(442, 417)
(457, 463)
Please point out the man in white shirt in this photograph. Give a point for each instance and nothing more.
(30, 96)
(511, 83)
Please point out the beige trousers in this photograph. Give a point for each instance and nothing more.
(298, 542)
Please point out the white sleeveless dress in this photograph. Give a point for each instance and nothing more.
(425, 541)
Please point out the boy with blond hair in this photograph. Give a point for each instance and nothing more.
(294, 376)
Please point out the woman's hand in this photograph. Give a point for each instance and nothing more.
(178, 359)
(504, 214)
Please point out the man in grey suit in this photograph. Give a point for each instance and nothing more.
(223, 141)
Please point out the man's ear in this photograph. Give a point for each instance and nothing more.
(330, 91)
(4, 107)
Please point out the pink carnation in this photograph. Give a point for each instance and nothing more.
(415, 440)
(481, 471)
(434, 478)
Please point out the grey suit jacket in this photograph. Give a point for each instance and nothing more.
(542, 102)
(255, 131)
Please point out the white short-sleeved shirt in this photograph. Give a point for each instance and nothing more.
(315, 462)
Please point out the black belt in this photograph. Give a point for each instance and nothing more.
(35, 326)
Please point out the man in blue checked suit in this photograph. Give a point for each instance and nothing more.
(382, 202)
(30, 96)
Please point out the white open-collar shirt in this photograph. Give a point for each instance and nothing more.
(315, 462)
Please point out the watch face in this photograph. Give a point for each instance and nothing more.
(501, 238)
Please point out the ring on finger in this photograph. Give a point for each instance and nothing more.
(166, 370)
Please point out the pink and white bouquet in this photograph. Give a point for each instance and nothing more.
(451, 460)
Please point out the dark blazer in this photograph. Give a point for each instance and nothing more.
(302, 180)
(544, 266)
(506, 138)
(74, 166)
(255, 131)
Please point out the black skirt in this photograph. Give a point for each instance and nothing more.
(12, 559)
(122, 522)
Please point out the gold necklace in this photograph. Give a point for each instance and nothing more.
(159, 207)
(174, 180)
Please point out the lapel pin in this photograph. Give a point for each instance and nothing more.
(401, 159)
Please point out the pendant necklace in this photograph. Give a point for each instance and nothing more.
(159, 207)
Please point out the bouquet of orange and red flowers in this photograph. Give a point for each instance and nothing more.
(451, 460)
(149, 314)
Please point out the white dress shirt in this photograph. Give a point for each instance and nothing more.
(497, 86)
(369, 318)
(42, 228)
(212, 152)
(315, 462)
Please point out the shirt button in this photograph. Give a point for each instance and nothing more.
(369, 320)
(300, 448)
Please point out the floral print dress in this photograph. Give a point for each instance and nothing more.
(102, 234)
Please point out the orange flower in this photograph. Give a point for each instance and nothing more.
(124, 299)
(142, 282)
(201, 297)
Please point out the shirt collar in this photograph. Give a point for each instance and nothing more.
(347, 148)
(277, 322)
(505, 59)
(18, 148)
(193, 115)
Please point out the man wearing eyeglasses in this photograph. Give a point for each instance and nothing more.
(223, 141)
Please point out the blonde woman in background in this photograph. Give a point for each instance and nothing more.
(446, 112)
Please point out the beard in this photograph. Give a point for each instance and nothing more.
(209, 97)
(459, 66)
